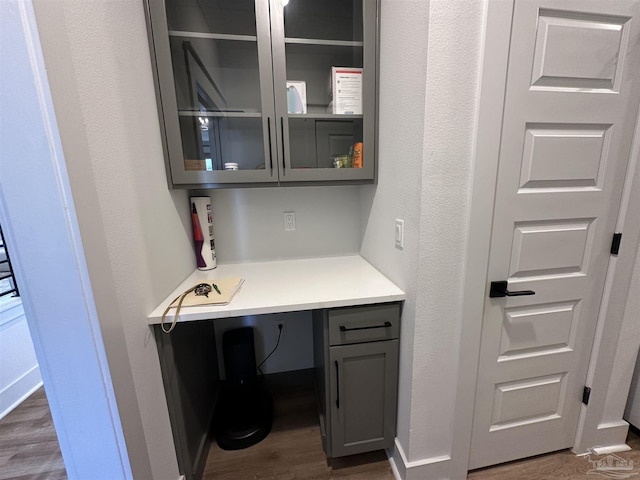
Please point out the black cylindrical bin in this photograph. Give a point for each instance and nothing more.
(239, 356)
(244, 412)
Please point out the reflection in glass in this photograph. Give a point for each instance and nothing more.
(217, 86)
(326, 19)
(317, 143)
(222, 74)
(211, 142)
(234, 17)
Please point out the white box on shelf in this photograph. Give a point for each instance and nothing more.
(296, 96)
(345, 90)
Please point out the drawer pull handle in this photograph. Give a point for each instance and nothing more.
(345, 329)
(337, 385)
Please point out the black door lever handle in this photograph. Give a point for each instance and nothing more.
(499, 289)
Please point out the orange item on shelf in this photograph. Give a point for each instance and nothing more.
(357, 155)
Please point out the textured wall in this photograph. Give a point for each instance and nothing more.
(48, 258)
(427, 109)
(400, 156)
(136, 232)
(626, 351)
(133, 231)
(626, 355)
(452, 87)
(632, 313)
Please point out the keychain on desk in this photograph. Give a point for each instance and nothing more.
(201, 289)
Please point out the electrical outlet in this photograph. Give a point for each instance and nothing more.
(284, 326)
(289, 221)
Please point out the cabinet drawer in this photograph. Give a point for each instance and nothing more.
(370, 323)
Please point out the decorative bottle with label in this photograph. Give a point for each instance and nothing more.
(204, 244)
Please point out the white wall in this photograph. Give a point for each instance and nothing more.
(101, 79)
(628, 339)
(632, 407)
(48, 259)
(626, 354)
(249, 226)
(136, 233)
(295, 350)
(400, 156)
(452, 88)
(630, 361)
(19, 369)
(617, 336)
(427, 111)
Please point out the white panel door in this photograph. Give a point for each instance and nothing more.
(569, 115)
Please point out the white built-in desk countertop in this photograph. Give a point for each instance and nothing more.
(288, 286)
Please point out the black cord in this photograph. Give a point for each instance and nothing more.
(272, 351)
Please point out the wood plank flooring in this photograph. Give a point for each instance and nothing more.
(293, 449)
(562, 465)
(29, 447)
(29, 450)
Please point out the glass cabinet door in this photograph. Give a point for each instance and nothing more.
(324, 57)
(219, 82)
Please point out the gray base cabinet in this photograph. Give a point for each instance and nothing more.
(190, 374)
(356, 370)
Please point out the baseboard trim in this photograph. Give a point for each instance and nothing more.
(11, 310)
(19, 390)
(611, 438)
(610, 449)
(392, 462)
(433, 468)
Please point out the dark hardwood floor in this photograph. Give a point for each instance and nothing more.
(29, 450)
(293, 449)
(29, 447)
(564, 465)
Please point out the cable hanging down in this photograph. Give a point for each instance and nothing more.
(272, 351)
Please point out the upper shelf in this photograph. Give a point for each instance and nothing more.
(330, 43)
(324, 116)
(213, 36)
(230, 114)
(209, 113)
(253, 38)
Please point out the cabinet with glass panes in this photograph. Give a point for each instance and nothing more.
(260, 92)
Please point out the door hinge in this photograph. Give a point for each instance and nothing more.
(615, 243)
(586, 393)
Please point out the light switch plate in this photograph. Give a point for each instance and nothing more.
(399, 233)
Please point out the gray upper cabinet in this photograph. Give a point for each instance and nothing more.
(251, 92)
